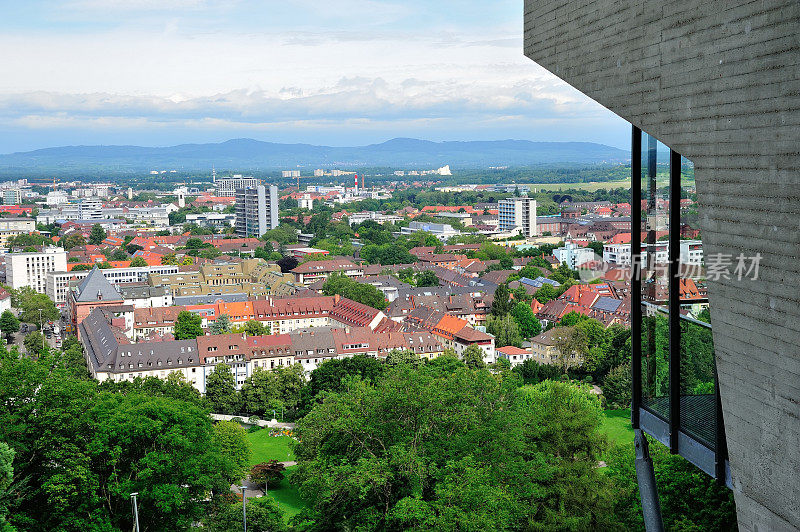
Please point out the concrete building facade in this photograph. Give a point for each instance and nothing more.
(518, 214)
(31, 269)
(719, 85)
(256, 210)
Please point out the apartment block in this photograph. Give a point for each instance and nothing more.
(256, 210)
(518, 215)
(31, 269)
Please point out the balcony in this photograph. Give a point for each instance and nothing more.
(676, 398)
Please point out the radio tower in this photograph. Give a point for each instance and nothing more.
(213, 174)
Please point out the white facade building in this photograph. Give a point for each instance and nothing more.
(256, 210)
(227, 186)
(440, 231)
(620, 254)
(517, 215)
(57, 282)
(573, 255)
(31, 269)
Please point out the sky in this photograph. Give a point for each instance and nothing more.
(332, 72)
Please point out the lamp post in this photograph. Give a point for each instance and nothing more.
(244, 508)
(135, 510)
(41, 329)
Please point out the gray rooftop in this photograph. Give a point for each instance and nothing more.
(95, 287)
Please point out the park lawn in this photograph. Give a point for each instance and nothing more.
(617, 426)
(591, 186)
(266, 447)
(287, 496)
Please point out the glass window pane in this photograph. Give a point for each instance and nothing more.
(655, 232)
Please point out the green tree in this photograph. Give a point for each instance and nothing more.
(6, 478)
(232, 441)
(34, 342)
(73, 240)
(572, 318)
(505, 330)
(37, 308)
(332, 375)
(546, 293)
(455, 450)
(690, 499)
(255, 328)
(169, 259)
(267, 472)
(361, 292)
(570, 347)
(402, 356)
(138, 262)
(221, 325)
(97, 235)
(188, 325)
(617, 387)
(263, 514)
(427, 278)
(67, 432)
(9, 324)
(221, 390)
(523, 314)
(502, 303)
(81, 268)
(473, 357)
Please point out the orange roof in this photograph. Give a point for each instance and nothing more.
(621, 238)
(450, 324)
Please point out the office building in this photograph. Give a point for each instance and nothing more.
(90, 209)
(10, 227)
(12, 196)
(517, 215)
(719, 87)
(573, 255)
(227, 186)
(256, 210)
(31, 269)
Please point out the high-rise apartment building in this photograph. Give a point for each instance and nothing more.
(91, 209)
(227, 186)
(518, 214)
(12, 196)
(256, 210)
(30, 269)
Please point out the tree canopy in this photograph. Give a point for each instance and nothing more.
(461, 450)
(188, 325)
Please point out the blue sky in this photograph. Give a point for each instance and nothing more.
(337, 72)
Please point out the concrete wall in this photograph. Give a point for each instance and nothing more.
(720, 83)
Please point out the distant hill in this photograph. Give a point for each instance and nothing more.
(249, 154)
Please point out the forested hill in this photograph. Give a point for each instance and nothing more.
(254, 155)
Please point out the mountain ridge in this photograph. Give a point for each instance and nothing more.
(250, 154)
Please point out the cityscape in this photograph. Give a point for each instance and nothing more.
(374, 315)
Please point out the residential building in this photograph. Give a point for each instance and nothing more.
(57, 282)
(573, 255)
(256, 210)
(314, 270)
(10, 227)
(514, 355)
(31, 269)
(216, 220)
(90, 209)
(691, 253)
(227, 186)
(518, 215)
(12, 196)
(92, 292)
(440, 231)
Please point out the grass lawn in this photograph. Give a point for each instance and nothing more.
(617, 426)
(287, 496)
(591, 186)
(266, 447)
